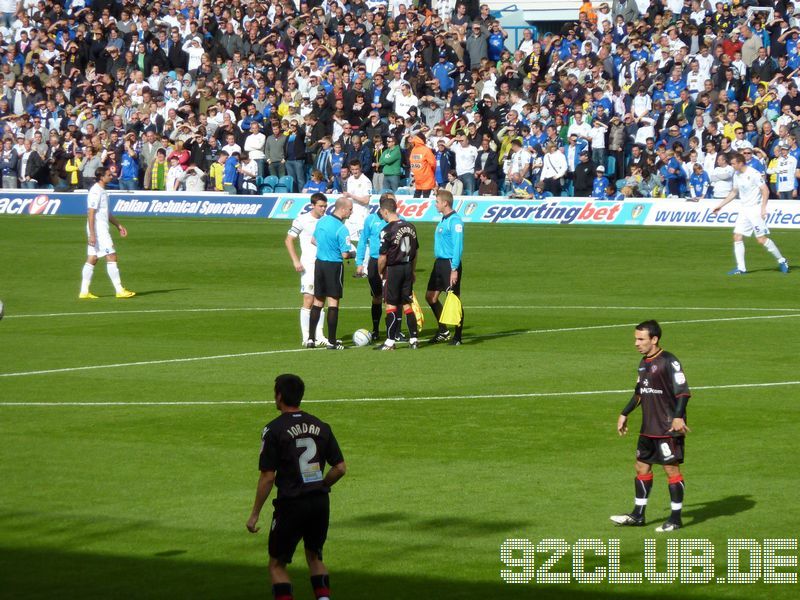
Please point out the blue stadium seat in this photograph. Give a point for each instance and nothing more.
(404, 191)
(259, 181)
(269, 183)
(285, 185)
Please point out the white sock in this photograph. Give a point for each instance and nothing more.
(305, 317)
(88, 271)
(113, 274)
(738, 252)
(773, 249)
(320, 333)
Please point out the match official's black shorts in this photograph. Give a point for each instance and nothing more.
(294, 519)
(440, 277)
(374, 278)
(660, 451)
(328, 279)
(399, 284)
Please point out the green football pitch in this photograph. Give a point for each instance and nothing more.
(130, 429)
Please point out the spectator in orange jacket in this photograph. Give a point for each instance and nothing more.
(423, 166)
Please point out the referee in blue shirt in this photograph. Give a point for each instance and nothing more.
(448, 246)
(333, 246)
(371, 236)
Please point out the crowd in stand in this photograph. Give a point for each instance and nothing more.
(634, 98)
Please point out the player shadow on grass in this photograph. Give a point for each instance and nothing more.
(479, 339)
(43, 572)
(724, 507)
(154, 292)
(446, 524)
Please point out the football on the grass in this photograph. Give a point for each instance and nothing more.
(2, 310)
(362, 337)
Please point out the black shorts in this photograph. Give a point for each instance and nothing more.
(422, 193)
(374, 278)
(440, 277)
(294, 519)
(399, 284)
(660, 451)
(328, 279)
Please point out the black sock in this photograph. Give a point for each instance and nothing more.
(460, 327)
(436, 307)
(676, 497)
(321, 585)
(392, 324)
(411, 320)
(313, 321)
(333, 321)
(376, 317)
(282, 591)
(643, 484)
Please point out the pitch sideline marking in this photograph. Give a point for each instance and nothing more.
(394, 398)
(287, 351)
(478, 307)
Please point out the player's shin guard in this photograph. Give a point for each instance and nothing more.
(436, 307)
(676, 497)
(643, 485)
(113, 275)
(376, 317)
(305, 317)
(738, 252)
(282, 591)
(459, 327)
(86, 277)
(392, 324)
(773, 249)
(411, 320)
(322, 587)
(313, 320)
(333, 322)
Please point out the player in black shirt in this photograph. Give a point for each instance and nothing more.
(294, 450)
(396, 264)
(663, 393)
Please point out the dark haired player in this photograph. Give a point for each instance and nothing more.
(448, 246)
(294, 450)
(663, 393)
(396, 264)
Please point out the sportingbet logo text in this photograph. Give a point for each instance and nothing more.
(38, 205)
(553, 212)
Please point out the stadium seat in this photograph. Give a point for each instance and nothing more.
(611, 167)
(404, 191)
(285, 185)
(270, 182)
(259, 181)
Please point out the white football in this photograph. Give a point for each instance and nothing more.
(2, 310)
(362, 337)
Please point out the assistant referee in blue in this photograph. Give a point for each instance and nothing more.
(333, 246)
(448, 246)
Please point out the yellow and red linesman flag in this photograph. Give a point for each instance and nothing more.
(418, 314)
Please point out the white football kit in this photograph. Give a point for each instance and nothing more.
(303, 228)
(98, 200)
(750, 221)
(360, 186)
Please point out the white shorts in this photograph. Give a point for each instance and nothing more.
(307, 279)
(103, 247)
(750, 223)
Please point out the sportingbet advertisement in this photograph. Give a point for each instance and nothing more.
(782, 214)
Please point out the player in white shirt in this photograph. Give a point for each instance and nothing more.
(358, 189)
(753, 193)
(303, 229)
(99, 238)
